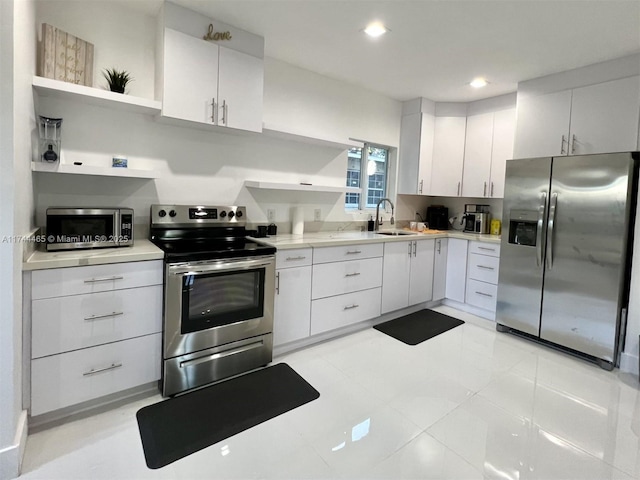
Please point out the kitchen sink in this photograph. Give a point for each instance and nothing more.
(396, 233)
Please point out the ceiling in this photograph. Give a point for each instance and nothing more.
(435, 48)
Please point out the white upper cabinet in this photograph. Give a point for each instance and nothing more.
(448, 156)
(604, 117)
(594, 119)
(190, 87)
(416, 150)
(488, 146)
(504, 130)
(477, 155)
(211, 84)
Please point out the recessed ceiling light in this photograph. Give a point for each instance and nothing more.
(375, 29)
(478, 82)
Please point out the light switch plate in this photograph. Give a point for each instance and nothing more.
(317, 215)
(271, 214)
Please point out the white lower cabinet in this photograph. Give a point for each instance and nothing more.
(59, 381)
(407, 274)
(440, 268)
(292, 308)
(456, 269)
(482, 275)
(343, 310)
(346, 285)
(95, 331)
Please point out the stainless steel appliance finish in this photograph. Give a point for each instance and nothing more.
(476, 218)
(81, 228)
(218, 295)
(564, 268)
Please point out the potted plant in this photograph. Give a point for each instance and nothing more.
(117, 79)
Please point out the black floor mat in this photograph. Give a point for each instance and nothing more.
(417, 327)
(180, 426)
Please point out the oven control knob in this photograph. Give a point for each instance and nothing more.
(231, 215)
(238, 214)
(223, 214)
(172, 213)
(162, 213)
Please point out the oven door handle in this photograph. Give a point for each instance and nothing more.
(219, 266)
(226, 353)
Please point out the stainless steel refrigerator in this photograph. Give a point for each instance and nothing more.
(565, 251)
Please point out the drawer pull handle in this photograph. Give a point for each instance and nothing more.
(484, 294)
(106, 315)
(485, 267)
(353, 252)
(110, 279)
(351, 307)
(487, 249)
(352, 274)
(291, 259)
(93, 372)
(225, 353)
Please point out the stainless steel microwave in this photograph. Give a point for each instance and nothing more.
(78, 228)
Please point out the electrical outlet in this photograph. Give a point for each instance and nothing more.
(271, 214)
(317, 215)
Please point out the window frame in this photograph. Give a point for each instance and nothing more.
(364, 179)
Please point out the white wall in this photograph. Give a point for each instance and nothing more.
(201, 166)
(17, 57)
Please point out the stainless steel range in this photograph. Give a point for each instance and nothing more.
(218, 295)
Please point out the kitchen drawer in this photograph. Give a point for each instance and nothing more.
(62, 324)
(481, 294)
(345, 277)
(342, 310)
(347, 252)
(62, 380)
(484, 248)
(483, 268)
(298, 257)
(57, 282)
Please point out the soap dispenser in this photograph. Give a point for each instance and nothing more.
(370, 224)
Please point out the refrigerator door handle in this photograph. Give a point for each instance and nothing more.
(553, 204)
(541, 212)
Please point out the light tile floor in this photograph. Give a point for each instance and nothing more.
(468, 404)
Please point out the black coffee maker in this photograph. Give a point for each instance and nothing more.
(438, 217)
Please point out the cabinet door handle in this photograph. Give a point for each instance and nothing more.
(278, 283)
(213, 110)
(106, 315)
(458, 189)
(109, 279)
(439, 245)
(353, 252)
(484, 294)
(573, 143)
(484, 190)
(487, 249)
(492, 189)
(224, 112)
(562, 145)
(351, 307)
(410, 248)
(420, 189)
(352, 274)
(113, 366)
(415, 246)
(484, 267)
(299, 257)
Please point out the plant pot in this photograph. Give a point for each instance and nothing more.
(116, 89)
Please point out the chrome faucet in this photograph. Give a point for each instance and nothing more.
(378, 220)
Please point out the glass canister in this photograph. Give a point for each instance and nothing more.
(496, 226)
(50, 130)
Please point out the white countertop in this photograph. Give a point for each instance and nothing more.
(141, 250)
(327, 239)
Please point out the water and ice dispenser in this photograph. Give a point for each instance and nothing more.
(523, 227)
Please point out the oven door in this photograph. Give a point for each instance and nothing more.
(212, 303)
